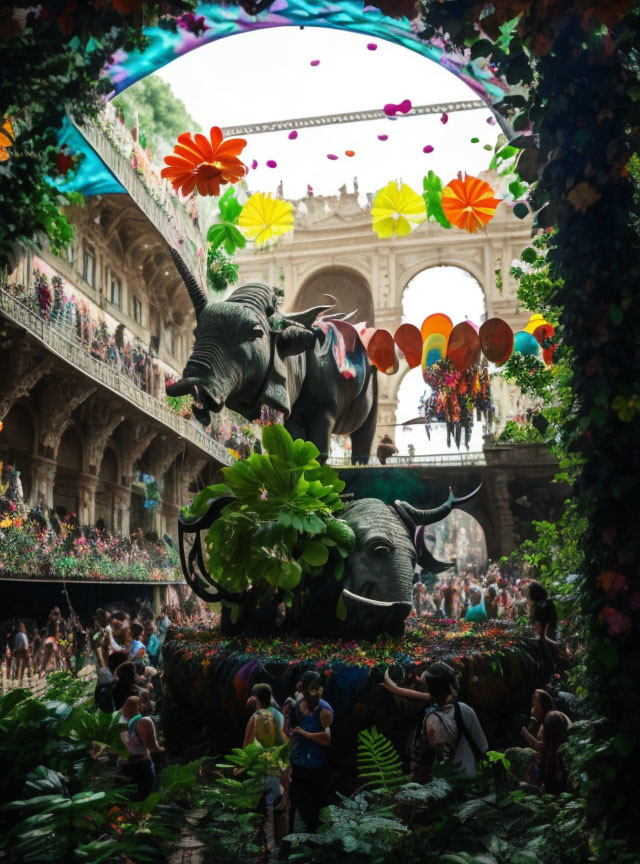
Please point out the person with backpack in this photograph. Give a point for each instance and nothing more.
(452, 727)
(311, 720)
(266, 726)
(140, 740)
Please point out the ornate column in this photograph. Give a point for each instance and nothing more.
(102, 419)
(122, 500)
(43, 475)
(503, 515)
(87, 486)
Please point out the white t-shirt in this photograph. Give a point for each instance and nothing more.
(443, 730)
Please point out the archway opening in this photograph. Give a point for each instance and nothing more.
(69, 465)
(16, 445)
(460, 538)
(458, 294)
(350, 290)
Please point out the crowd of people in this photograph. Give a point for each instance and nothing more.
(483, 597)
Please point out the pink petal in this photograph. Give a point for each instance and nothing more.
(331, 156)
(491, 121)
(427, 149)
(390, 109)
(405, 106)
(444, 118)
(382, 137)
(372, 46)
(292, 135)
(254, 164)
(314, 63)
(271, 163)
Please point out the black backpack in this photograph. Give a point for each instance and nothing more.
(103, 697)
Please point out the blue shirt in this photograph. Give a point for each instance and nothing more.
(306, 753)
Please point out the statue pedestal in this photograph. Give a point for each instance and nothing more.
(208, 679)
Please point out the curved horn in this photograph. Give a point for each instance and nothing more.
(198, 295)
(307, 317)
(431, 564)
(194, 569)
(428, 517)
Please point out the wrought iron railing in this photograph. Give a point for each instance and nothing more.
(68, 347)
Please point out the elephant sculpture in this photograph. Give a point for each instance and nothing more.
(247, 354)
(375, 587)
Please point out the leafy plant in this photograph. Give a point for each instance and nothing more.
(223, 240)
(356, 825)
(280, 527)
(378, 762)
(432, 195)
(63, 687)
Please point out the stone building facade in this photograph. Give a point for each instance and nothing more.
(82, 428)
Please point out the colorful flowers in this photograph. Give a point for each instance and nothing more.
(7, 139)
(204, 163)
(264, 218)
(469, 204)
(397, 210)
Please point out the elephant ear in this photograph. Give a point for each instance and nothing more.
(275, 392)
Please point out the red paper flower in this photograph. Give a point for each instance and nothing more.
(204, 163)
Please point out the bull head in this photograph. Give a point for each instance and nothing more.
(240, 351)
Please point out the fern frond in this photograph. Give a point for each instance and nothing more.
(378, 762)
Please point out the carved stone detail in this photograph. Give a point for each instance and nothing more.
(59, 401)
(102, 419)
(27, 368)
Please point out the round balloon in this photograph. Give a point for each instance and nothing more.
(409, 341)
(436, 323)
(464, 346)
(525, 343)
(496, 340)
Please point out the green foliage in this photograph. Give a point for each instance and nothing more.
(378, 762)
(159, 114)
(63, 687)
(358, 826)
(223, 241)
(280, 528)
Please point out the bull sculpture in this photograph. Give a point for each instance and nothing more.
(247, 354)
(375, 588)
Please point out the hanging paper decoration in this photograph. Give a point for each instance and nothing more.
(7, 139)
(204, 163)
(409, 340)
(396, 211)
(455, 398)
(496, 340)
(469, 203)
(436, 323)
(264, 218)
(542, 331)
(382, 352)
(433, 350)
(463, 348)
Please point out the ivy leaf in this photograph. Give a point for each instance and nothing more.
(278, 442)
(432, 186)
(229, 206)
(341, 609)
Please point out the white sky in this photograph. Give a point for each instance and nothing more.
(266, 75)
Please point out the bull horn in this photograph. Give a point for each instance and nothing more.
(198, 295)
(307, 317)
(428, 517)
(369, 601)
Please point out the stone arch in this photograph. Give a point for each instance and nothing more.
(451, 534)
(432, 262)
(105, 506)
(18, 442)
(350, 288)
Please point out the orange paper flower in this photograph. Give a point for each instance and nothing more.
(469, 204)
(7, 139)
(204, 163)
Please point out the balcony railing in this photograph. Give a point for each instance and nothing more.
(444, 459)
(71, 349)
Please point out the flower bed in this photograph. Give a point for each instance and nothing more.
(27, 552)
(209, 677)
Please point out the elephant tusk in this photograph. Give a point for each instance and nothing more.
(378, 604)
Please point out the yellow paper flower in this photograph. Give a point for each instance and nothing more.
(6, 523)
(397, 210)
(264, 218)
